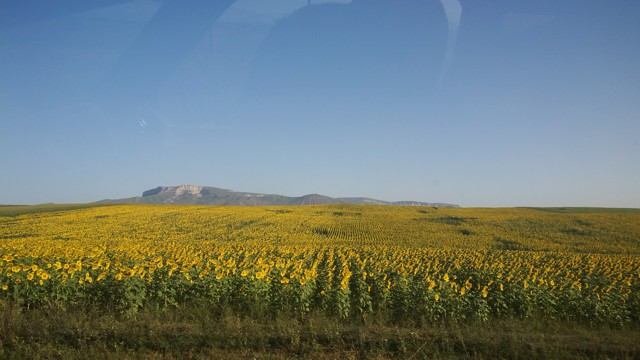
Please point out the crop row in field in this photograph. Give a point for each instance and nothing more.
(352, 262)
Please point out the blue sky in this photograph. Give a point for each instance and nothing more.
(497, 103)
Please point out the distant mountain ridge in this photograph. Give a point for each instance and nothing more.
(207, 195)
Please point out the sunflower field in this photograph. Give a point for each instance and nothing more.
(399, 264)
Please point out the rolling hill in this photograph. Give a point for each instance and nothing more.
(207, 195)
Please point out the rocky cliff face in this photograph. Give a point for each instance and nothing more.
(188, 189)
(176, 190)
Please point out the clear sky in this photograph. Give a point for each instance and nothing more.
(478, 103)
